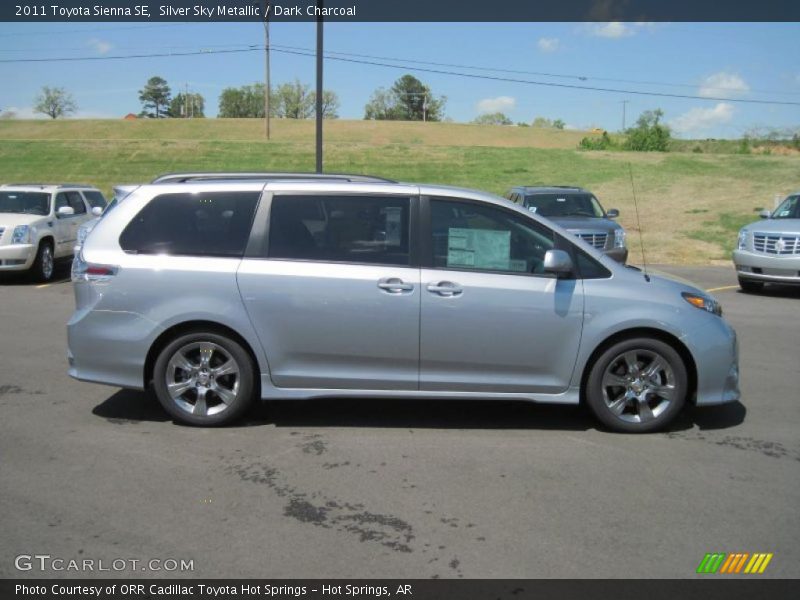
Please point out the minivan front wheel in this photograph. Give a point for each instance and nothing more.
(637, 385)
(204, 379)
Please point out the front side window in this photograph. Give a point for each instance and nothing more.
(61, 201)
(76, 202)
(788, 209)
(564, 205)
(474, 236)
(27, 203)
(355, 229)
(200, 224)
(95, 199)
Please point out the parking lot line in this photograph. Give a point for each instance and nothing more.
(724, 287)
(44, 285)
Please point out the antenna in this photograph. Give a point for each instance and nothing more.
(639, 225)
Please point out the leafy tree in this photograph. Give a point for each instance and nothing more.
(54, 102)
(649, 135)
(294, 100)
(246, 102)
(559, 124)
(155, 96)
(184, 106)
(542, 122)
(381, 106)
(407, 100)
(495, 118)
(330, 104)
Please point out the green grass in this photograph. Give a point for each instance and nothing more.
(679, 194)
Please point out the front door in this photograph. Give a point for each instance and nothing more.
(492, 320)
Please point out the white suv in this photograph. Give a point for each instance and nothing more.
(39, 224)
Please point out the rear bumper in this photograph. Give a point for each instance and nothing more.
(17, 257)
(109, 347)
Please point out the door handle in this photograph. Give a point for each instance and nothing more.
(394, 285)
(445, 288)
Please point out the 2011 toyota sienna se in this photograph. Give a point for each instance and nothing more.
(218, 289)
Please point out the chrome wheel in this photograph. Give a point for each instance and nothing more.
(47, 262)
(202, 378)
(638, 386)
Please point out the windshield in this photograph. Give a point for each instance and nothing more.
(788, 209)
(28, 203)
(564, 205)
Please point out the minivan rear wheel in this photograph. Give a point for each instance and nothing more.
(637, 385)
(204, 379)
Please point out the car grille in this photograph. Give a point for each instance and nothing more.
(777, 243)
(594, 238)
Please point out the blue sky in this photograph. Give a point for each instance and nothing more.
(736, 60)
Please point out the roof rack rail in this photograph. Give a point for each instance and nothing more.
(43, 185)
(260, 176)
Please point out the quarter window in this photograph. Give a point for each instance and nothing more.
(201, 224)
(478, 237)
(355, 229)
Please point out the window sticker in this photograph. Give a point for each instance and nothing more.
(394, 223)
(479, 248)
(532, 208)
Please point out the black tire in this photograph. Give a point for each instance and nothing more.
(600, 397)
(44, 265)
(218, 412)
(749, 286)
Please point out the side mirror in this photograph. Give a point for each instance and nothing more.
(765, 214)
(97, 211)
(612, 213)
(65, 211)
(557, 262)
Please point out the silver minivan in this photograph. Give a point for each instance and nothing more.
(214, 290)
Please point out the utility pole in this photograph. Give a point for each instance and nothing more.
(624, 102)
(319, 87)
(186, 101)
(266, 76)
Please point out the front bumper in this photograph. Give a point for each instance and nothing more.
(17, 257)
(767, 268)
(715, 349)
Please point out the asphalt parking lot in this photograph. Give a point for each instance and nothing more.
(395, 489)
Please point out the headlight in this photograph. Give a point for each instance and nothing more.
(619, 238)
(703, 303)
(742, 244)
(21, 235)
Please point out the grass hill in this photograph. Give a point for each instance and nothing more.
(691, 204)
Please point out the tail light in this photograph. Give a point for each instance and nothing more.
(83, 271)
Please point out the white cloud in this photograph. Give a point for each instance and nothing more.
(700, 119)
(548, 45)
(100, 46)
(723, 84)
(616, 29)
(499, 104)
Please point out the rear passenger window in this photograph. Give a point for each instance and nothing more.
(76, 202)
(201, 224)
(358, 229)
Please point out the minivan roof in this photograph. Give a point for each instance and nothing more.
(197, 177)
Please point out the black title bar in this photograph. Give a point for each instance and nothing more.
(398, 10)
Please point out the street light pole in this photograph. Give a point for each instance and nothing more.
(624, 102)
(266, 78)
(319, 88)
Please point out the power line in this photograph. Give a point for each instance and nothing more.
(128, 56)
(376, 63)
(92, 30)
(546, 83)
(525, 72)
